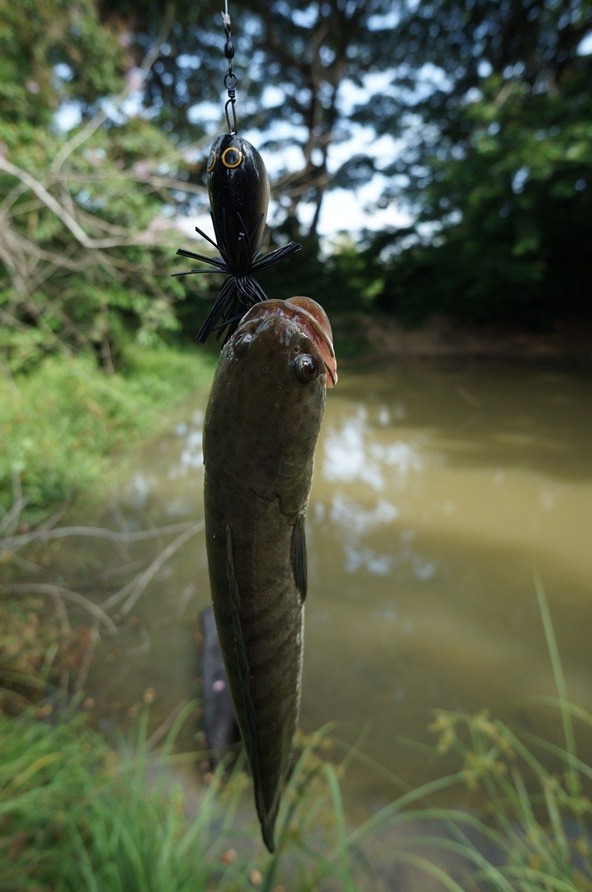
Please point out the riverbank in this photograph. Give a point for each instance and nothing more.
(60, 423)
(60, 426)
(375, 339)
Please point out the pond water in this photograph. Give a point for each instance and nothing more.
(440, 490)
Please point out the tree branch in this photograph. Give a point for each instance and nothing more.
(140, 76)
(56, 208)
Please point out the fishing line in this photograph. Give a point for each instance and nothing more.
(230, 80)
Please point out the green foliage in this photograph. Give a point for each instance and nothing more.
(60, 423)
(83, 265)
(498, 162)
(353, 279)
(537, 824)
(489, 103)
(52, 51)
(86, 240)
(347, 279)
(73, 816)
(43, 772)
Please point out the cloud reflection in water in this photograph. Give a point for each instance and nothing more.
(350, 455)
(191, 455)
(369, 471)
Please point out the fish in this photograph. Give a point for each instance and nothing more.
(261, 427)
(238, 189)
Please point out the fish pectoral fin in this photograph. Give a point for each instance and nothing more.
(298, 556)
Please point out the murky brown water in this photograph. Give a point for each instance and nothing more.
(438, 489)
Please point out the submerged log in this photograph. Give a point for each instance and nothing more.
(220, 726)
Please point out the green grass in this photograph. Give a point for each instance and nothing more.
(74, 814)
(59, 424)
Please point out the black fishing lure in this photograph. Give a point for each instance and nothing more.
(238, 187)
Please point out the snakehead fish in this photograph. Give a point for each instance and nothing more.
(260, 432)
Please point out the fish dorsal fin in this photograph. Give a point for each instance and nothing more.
(243, 701)
(242, 689)
(298, 556)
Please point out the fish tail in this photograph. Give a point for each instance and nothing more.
(267, 819)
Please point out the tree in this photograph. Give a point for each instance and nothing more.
(294, 63)
(79, 241)
(50, 52)
(489, 101)
(495, 101)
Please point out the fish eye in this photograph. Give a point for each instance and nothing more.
(242, 343)
(232, 157)
(212, 158)
(305, 368)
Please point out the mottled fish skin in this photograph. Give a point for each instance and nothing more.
(260, 432)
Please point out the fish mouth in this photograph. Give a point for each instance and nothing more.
(312, 321)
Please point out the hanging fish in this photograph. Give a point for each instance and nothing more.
(260, 432)
(238, 188)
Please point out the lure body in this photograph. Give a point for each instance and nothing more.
(261, 427)
(238, 188)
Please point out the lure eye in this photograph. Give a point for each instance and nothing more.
(242, 343)
(305, 368)
(212, 158)
(232, 157)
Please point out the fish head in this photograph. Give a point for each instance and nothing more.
(267, 401)
(301, 329)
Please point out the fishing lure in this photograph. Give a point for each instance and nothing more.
(238, 189)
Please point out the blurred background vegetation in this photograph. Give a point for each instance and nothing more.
(474, 122)
(107, 111)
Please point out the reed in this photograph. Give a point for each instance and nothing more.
(78, 814)
(535, 830)
(75, 814)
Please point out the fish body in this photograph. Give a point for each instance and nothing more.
(260, 432)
